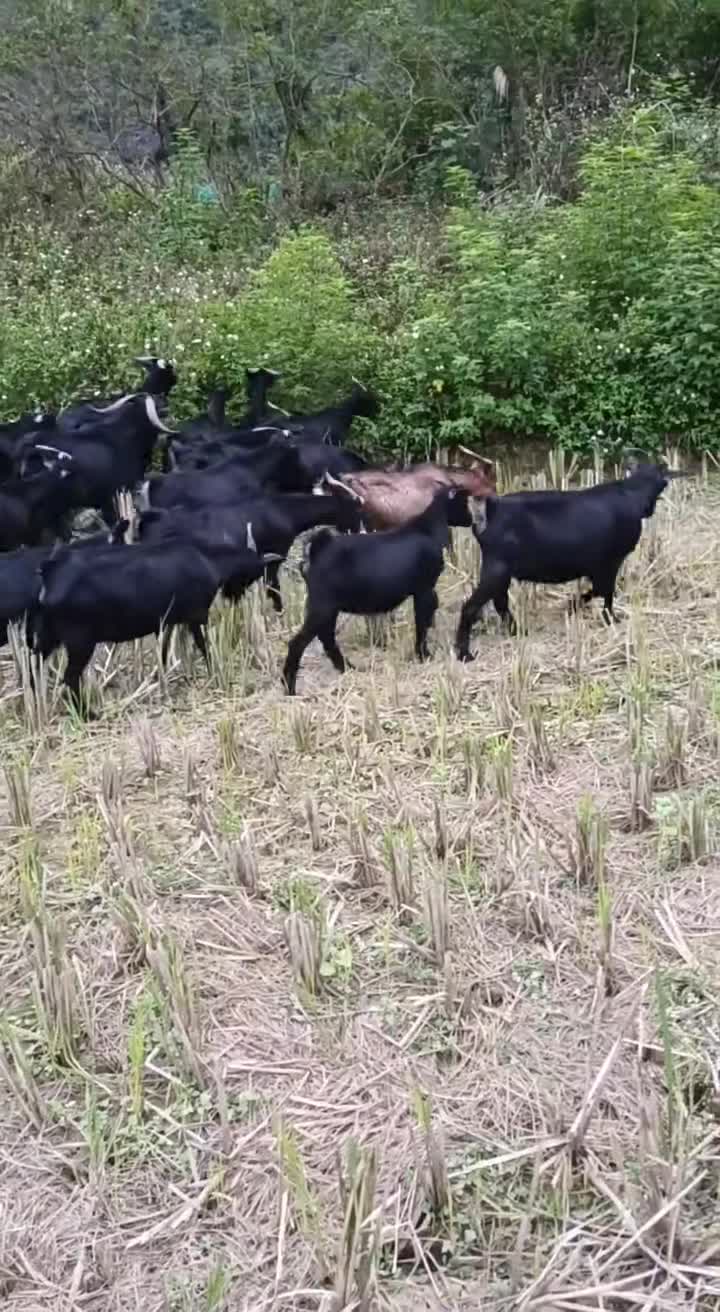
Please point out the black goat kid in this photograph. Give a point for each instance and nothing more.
(371, 574)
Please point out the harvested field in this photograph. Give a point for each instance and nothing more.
(400, 994)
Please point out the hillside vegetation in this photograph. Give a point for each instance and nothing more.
(503, 216)
(400, 995)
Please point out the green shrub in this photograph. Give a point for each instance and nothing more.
(597, 320)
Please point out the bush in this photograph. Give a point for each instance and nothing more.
(592, 321)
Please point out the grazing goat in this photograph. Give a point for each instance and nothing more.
(276, 522)
(371, 575)
(209, 425)
(274, 466)
(258, 384)
(555, 537)
(391, 498)
(332, 424)
(20, 576)
(120, 593)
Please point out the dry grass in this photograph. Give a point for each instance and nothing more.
(401, 995)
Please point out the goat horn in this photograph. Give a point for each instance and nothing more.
(475, 455)
(153, 416)
(344, 487)
(270, 428)
(54, 450)
(107, 409)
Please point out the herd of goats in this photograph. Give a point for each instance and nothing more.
(232, 499)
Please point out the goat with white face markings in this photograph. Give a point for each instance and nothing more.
(159, 380)
(108, 456)
(371, 574)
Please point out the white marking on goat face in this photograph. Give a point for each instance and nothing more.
(162, 364)
(143, 495)
(251, 544)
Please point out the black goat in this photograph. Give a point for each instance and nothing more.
(555, 537)
(203, 441)
(160, 378)
(34, 508)
(209, 425)
(274, 466)
(258, 384)
(120, 593)
(276, 522)
(332, 424)
(20, 577)
(371, 575)
(106, 457)
(12, 433)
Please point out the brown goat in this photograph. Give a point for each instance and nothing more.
(390, 498)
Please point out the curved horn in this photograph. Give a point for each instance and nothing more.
(107, 409)
(53, 450)
(155, 420)
(251, 543)
(476, 456)
(145, 360)
(344, 487)
(270, 428)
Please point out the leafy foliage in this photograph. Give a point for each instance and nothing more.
(594, 321)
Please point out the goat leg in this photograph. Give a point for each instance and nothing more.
(197, 634)
(78, 657)
(425, 604)
(272, 585)
(296, 648)
(493, 586)
(604, 586)
(327, 637)
(502, 606)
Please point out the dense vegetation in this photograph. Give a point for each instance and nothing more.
(503, 215)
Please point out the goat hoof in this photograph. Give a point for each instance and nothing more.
(465, 655)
